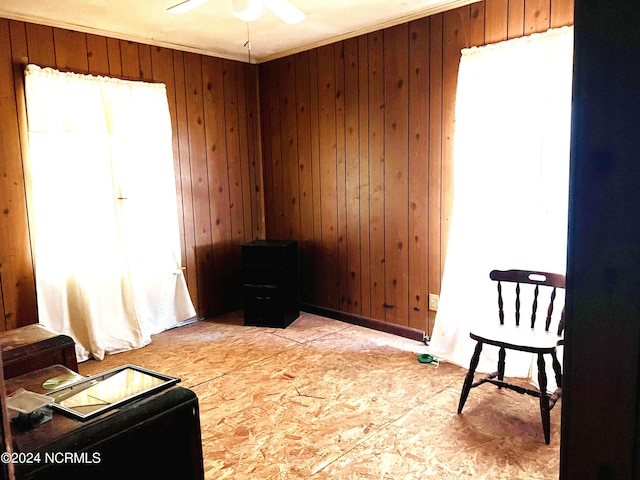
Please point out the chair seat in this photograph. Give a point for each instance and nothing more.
(523, 338)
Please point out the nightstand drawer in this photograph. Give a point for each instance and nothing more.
(265, 275)
(264, 306)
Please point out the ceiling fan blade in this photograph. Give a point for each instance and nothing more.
(285, 11)
(247, 10)
(186, 6)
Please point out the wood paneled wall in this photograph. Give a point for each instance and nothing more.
(216, 131)
(357, 144)
(358, 139)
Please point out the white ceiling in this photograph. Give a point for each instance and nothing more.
(211, 29)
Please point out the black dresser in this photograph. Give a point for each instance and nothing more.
(157, 436)
(270, 282)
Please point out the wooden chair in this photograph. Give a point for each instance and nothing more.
(537, 338)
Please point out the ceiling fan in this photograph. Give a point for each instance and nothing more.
(250, 10)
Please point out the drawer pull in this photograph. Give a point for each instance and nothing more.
(262, 298)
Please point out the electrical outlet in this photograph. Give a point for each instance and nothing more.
(433, 302)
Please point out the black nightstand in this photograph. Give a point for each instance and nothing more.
(270, 283)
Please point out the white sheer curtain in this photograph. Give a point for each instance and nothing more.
(104, 210)
(511, 177)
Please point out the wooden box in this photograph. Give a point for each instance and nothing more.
(33, 347)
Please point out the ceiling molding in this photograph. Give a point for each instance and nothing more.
(244, 57)
(373, 28)
(128, 38)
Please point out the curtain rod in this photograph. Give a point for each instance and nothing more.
(24, 61)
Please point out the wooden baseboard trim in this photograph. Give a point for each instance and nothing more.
(407, 332)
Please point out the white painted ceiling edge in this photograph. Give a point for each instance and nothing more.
(211, 29)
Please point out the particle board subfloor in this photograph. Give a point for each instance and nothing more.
(324, 399)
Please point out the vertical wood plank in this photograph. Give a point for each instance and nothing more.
(244, 128)
(435, 157)
(537, 16)
(477, 23)
(419, 174)
(496, 17)
(328, 173)
(456, 23)
(515, 25)
(376, 174)
(27, 311)
(561, 13)
(396, 145)
(288, 123)
(114, 57)
(40, 45)
(352, 169)
(209, 298)
(17, 282)
(216, 174)
(255, 153)
(98, 59)
(307, 246)
(146, 69)
(71, 50)
(276, 156)
(234, 169)
(364, 184)
(342, 278)
(267, 94)
(130, 59)
(314, 104)
(175, 61)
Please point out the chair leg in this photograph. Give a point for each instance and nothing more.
(557, 368)
(468, 380)
(501, 356)
(544, 399)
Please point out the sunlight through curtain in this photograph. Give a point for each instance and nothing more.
(511, 180)
(104, 210)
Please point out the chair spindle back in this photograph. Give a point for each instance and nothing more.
(518, 277)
